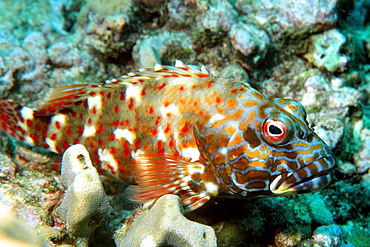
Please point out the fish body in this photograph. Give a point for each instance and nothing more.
(177, 130)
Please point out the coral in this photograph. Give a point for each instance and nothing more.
(85, 202)
(324, 51)
(168, 226)
(167, 46)
(107, 27)
(319, 212)
(356, 235)
(250, 41)
(290, 19)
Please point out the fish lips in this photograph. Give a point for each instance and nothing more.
(306, 179)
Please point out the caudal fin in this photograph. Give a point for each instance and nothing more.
(16, 120)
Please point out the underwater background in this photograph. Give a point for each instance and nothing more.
(316, 52)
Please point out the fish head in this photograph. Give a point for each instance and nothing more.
(276, 153)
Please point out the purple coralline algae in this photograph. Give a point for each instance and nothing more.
(316, 52)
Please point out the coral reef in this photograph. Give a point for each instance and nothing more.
(168, 226)
(85, 202)
(317, 52)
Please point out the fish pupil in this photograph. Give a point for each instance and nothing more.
(274, 130)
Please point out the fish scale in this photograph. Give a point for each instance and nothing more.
(177, 130)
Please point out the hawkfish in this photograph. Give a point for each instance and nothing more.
(179, 130)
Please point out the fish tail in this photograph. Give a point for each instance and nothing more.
(19, 122)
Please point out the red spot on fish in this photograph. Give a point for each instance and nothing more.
(111, 168)
(162, 85)
(29, 122)
(181, 88)
(80, 131)
(35, 137)
(233, 91)
(154, 132)
(100, 129)
(76, 141)
(69, 132)
(137, 144)
(160, 147)
(94, 110)
(53, 137)
(143, 92)
(100, 143)
(113, 151)
(158, 121)
(131, 105)
(89, 121)
(202, 75)
(218, 100)
(141, 81)
(151, 110)
(112, 137)
(58, 149)
(126, 149)
(57, 125)
(85, 105)
(122, 96)
(185, 129)
(101, 93)
(171, 143)
(116, 109)
(168, 76)
(81, 116)
(74, 114)
(167, 129)
(65, 144)
(92, 94)
(109, 95)
(169, 114)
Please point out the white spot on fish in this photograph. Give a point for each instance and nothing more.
(191, 153)
(51, 144)
(107, 158)
(27, 113)
(169, 109)
(211, 188)
(134, 91)
(161, 135)
(95, 102)
(89, 130)
(126, 134)
(213, 119)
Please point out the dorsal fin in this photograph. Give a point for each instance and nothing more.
(160, 72)
(63, 96)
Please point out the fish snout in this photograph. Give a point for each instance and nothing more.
(312, 177)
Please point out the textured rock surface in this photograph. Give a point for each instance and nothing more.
(165, 225)
(85, 202)
(14, 231)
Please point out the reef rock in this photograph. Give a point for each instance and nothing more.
(85, 202)
(165, 225)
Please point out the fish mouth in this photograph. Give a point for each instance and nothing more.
(313, 177)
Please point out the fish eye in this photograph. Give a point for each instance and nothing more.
(276, 131)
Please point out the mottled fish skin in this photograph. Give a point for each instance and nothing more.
(178, 130)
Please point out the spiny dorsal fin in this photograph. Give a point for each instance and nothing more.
(61, 97)
(160, 72)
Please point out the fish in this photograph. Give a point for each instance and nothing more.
(179, 130)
